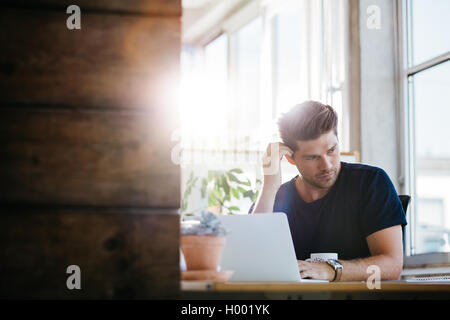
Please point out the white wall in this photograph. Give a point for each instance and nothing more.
(378, 89)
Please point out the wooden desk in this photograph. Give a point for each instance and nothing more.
(340, 290)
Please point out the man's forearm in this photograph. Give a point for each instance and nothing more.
(357, 270)
(265, 201)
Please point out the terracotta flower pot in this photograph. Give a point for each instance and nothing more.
(202, 252)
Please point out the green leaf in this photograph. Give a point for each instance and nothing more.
(241, 190)
(234, 208)
(225, 185)
(236, 170)
(217, 194)
(232, 177)
(183, 205)
(212, 201)
(249, 194)
(204, 187)
(235, 193)
(255, 196)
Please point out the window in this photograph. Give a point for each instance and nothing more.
(216, 73)
(428, 83)
(430, 237)
(269, 56)
(308, 44)
(308, 41)
(287, 60)
(429, 25)
(246, 85)
(204, 101)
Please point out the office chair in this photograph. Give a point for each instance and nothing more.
(405, 200)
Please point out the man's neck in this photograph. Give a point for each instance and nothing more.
(308, 192)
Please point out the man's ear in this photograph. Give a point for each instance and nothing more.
(290, 160)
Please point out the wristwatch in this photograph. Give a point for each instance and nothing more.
(337, 267)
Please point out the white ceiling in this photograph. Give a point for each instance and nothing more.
(205, 21)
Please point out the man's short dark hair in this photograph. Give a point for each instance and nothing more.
(306, 121)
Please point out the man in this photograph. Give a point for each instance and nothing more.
(332, 206)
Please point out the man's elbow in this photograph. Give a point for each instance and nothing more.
(394, 274)
(395, 269)
(398, 271)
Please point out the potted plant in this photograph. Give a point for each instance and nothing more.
(222, 188)
(202, 241)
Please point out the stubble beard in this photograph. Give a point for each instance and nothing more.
(317, 183)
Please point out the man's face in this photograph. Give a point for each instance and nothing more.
(318, 160)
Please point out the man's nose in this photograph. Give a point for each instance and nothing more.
(325, 163)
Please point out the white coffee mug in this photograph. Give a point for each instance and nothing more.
(318, 257)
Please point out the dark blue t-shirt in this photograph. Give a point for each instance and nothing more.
(361, 202)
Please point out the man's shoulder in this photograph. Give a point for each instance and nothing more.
(365, 173)
(360, 169)
(286, 189)
(288, 184)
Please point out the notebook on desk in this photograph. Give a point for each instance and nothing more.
(441, 279)
(259, 248)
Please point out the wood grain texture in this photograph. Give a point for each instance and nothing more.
(151, 7)
(121, 255)
(86, 121)
(88, 158)
(114, 61)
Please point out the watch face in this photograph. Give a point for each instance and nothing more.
(335, 263)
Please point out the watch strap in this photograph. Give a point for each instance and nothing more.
(337, 267)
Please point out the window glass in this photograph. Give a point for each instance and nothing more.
(215, 87)
(287, 60)
(431, 97)
(430, 25)
(203, 94)
(247, 75)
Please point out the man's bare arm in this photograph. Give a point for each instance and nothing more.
(386, 249)
(272, 176)
(265, 201)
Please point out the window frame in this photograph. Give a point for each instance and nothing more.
(230, 27)
(267, 11)
(406, 143)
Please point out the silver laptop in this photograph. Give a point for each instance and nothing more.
(259, 248)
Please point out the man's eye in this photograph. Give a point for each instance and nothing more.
(332, 150)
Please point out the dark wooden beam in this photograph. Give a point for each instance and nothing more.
(88, 158)
(121, 254)
(121, 62)
(133, 7)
